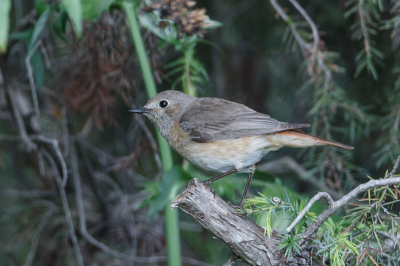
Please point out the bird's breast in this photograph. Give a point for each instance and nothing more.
(220, 156)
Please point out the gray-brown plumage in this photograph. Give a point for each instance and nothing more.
(213, 119)
(220, 135)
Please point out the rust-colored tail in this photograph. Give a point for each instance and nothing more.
(297, 138)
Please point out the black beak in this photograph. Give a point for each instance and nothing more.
(141, 110)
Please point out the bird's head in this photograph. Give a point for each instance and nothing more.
(166, 108)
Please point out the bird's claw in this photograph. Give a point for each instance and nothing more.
(209, 188)
(239, 207)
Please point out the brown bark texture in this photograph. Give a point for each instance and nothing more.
(245, 238)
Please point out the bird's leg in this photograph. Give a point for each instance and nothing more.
(209, 181)
(251, 173)
(240, 206)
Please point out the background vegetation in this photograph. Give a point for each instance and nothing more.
(83, 182)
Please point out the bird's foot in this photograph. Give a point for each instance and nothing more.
(207, 184)
(239, 207)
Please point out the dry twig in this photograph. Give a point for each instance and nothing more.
(334, 206)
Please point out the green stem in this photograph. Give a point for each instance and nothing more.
(188, 86)
(171, 217)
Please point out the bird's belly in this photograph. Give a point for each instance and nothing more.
(224, 155)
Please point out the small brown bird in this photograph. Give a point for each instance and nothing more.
(223, 136)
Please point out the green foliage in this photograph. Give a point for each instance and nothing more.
(334, 244)
(36, 59)
(290, 244)
(92, 9)
(59, 25)
(268, 210)
(193, 75)
(74, 10)
(5, 7)
(38, 28)
(251, 43)
(367, 13)
(171, 216)
(163, 192)
(356, 240)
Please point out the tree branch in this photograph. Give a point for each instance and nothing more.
(333, 206)
(66, 208)
(245, 238)
(287, 163)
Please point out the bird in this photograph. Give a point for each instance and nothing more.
(223, 136)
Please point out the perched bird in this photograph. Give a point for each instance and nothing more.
(223, 136)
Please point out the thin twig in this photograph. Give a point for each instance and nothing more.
(390, 175)
(288, 163)
(152, 143)
(314, 199)
(9, 138)
(65, 129)
(45, 55)
(336, 205)
(363, 27)
(306, 48)
(27, 193)
(20, 122)
(41, 163)
(30, 76)
(36, 236)
(389, 236)
(56, 147)
(312, 26)
(82, 220)
(66, 208)
(303, 44)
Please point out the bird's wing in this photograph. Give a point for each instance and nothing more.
(212, 119)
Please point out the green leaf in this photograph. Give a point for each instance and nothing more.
(172, 181)
(92, 9)
(38, 69)
(5, 7)
(40, 6)
(37, 30)
(212, 24)
(36, 59)
(74, 10)
(59, 25)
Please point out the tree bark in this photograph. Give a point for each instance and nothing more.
(245, 238)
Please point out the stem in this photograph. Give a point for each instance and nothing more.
(188, 87)
(171, 216)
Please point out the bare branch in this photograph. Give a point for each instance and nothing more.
(54, 142)
(45, 56)
(242, 236)
(317, 197)
(30, 76)
(288, 163)
(334, 206)
(27, 193)
(66, 208)
(152, 143)
(90, 238)
(312, 26)
(9, 138)
(36, 236)
(20, 122)
(303, 44)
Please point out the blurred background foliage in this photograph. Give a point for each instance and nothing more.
(74, 162)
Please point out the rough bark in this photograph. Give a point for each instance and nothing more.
(245, 238)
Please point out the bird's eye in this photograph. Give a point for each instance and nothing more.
(163, 104)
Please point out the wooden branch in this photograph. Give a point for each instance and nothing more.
(245, 238)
